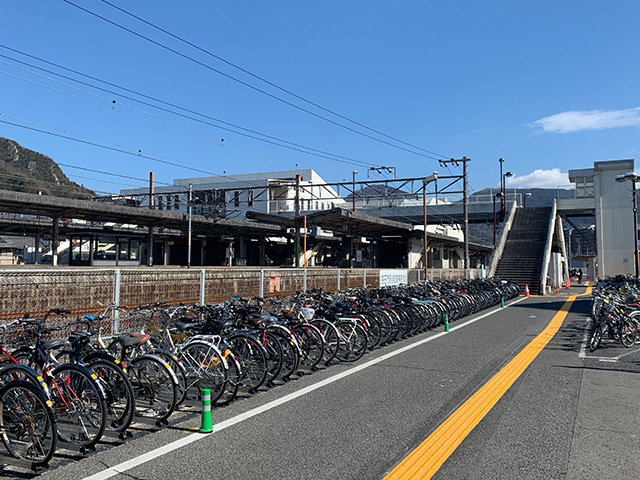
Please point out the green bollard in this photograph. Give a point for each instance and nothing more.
(206, 426)
(446, 323)
(502, 302)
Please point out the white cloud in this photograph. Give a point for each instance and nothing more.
(575, 121)
(540, 179)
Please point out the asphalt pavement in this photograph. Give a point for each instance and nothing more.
(571, 414)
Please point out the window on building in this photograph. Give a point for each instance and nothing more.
(176, 202)
(236, 199)
(168, 202)
(250, 198)
(584, 187)
(128, 249)
(105, 248)
(124, 249)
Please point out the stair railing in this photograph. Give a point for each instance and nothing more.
(547, 249)
(502, 239)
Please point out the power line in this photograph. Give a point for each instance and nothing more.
(133, 151)
(119, 150)
(266, 81)
(430, 156)
(93, 141)
(23, 179)
(111, 174)
(267, 138)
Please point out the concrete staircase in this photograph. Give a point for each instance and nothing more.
(523, 253)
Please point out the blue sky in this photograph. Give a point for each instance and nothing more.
(547, 85)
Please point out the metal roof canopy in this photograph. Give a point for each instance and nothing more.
(340, 220)
(58, 207)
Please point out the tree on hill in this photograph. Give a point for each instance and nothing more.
(24, 170)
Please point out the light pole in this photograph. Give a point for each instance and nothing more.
(526, 195)
(633, 178)
(355, 172)
(497, 195)
(425, 181)
(504, 193)
(501, 160)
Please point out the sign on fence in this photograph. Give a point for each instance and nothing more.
(393, 277)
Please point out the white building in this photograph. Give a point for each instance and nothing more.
(233, 195)
(599, 194)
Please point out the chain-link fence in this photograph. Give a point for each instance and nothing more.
(89, 291)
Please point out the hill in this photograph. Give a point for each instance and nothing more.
(24, 170)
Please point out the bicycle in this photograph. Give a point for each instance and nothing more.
(28, 427)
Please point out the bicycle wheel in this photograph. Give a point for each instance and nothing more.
(253, 360)
(290, 353)
(121, 405)
(311, 343)
(374, 333)
(206, 368)
(24, 356)
(234, 374)
(80, 405)
(353, 341)
(155, 387)
(628, 333)
(9, 372)
(331, 338)
(27, 423)
(178, 369)
(595, 338)
(274, 355)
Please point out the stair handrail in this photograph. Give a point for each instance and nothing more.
(502, 239)
(547, 249)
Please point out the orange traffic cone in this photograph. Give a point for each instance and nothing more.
(568, 285)
(526, 290)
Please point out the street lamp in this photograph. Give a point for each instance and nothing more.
(497, 195)
(504, 193)
(355, 172)
(526, 195)
(633, 178)
(425, 181)
(501, 160)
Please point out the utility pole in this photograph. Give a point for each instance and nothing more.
(189, 239)
(296, 247)
(152, 198)
(465, 197)
(425, 182)
(150, 228)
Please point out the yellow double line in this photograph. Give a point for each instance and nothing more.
(425, 460)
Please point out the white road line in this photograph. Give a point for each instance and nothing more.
(583, 348)
(194, 437)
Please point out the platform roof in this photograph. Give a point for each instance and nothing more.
(341, 221)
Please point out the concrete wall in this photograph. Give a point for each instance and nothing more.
(614, 219)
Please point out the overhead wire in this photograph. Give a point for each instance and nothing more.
(22, 179)
(252, 133)
(111, 174)
(110, 146)
(293, 105)
(105, 147)
(262, 79)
